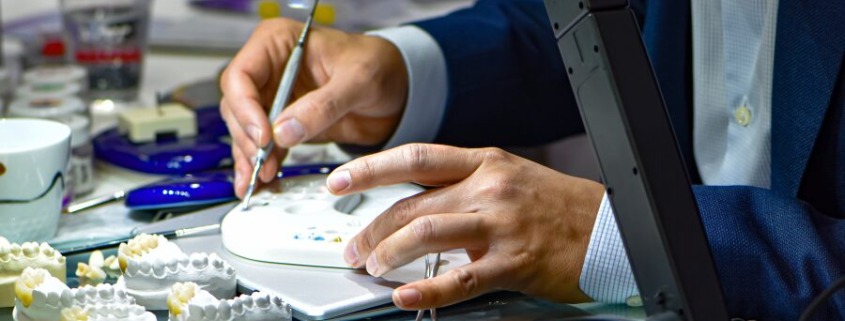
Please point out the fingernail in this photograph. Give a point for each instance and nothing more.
(408, 297)
(351, 253)
(339, 181)
(254, 133)
(289, 133)
(372, 265)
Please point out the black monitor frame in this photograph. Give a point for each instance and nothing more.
(648, 186)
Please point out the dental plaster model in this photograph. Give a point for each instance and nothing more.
(151, 264)
(187, 302)
(91, 273)
(108, 312)
(14, 258)
(42, 297)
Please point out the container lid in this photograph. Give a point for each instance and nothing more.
(55, 74)
(46, 108)
(48, 90)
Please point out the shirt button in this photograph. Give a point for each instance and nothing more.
(743, 115)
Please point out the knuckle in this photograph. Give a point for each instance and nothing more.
(465, 282)
(494, 155)
(325, 108)
(423, 228)
(403, 210)
(415, 156)
(497, 186)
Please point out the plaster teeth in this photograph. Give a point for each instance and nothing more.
(160, 264)
(247, 301)
(105, 292)
(172, 265)
(210, 311)
(47, 250)
(107, 312)
(53, 298)
(158, 267)
(15, 258)
(199, 261)
(237, 306)
(16, 249)
(145, 267)
(224, 310)
(195, 311)
(187, 301)
(67, 298)
(216, 261)
(30, 249)
(262, 301)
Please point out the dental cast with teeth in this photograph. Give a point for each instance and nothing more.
(188, 302)
(151, 265)
(14, 258)
(41, 297)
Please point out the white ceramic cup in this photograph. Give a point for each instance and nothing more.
(34, 154)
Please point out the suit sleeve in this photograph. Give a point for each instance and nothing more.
(773, 254)
(507, 85)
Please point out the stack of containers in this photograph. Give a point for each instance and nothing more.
(54, 92)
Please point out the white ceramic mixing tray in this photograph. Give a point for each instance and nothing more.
(301, 223)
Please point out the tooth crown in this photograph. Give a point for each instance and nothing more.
(91, 273)
(151, 264)
(14, 258)
(187, 302)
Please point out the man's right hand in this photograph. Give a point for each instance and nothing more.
(351, 88)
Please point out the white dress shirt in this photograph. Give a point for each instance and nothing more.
(731, 123)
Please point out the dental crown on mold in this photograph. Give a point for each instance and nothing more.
(187, 302)
(14, 258)
(151, 265)
(42, 297)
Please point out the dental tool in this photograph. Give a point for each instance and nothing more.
(279, 102)
(430, 272)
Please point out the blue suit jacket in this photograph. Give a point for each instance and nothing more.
(775, 249)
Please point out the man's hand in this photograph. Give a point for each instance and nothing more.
(524, 226)
(351, 89)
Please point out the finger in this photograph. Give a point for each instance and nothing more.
(242, 171)
(427, 234)
(315, 111)
(425, 164)
(400, 214)
(454, 286)
(272, 165)
(239, 137)
(243, 102)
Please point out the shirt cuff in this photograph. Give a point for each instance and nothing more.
(606, 275)
(427, 84)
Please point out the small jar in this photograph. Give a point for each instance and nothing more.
(81, 169)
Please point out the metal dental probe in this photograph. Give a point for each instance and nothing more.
(279, 102)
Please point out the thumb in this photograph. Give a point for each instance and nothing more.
(313, 113)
